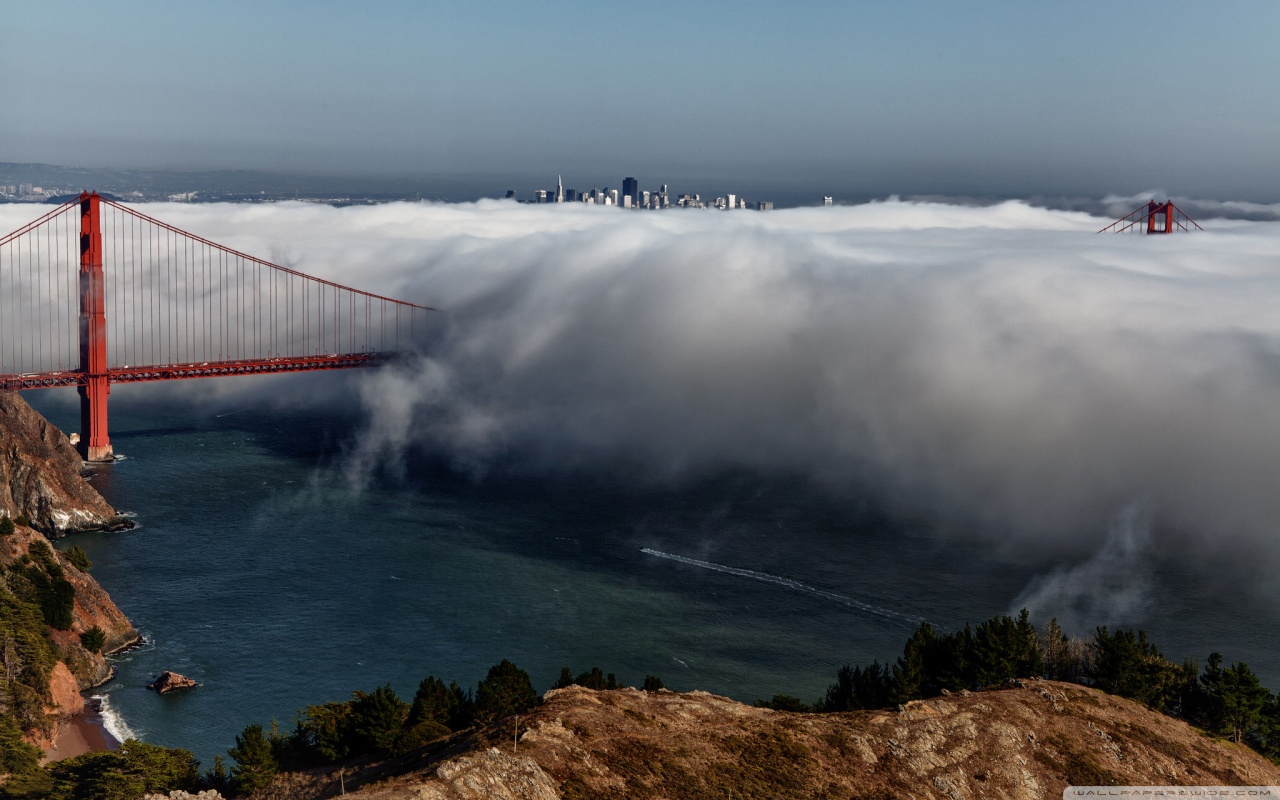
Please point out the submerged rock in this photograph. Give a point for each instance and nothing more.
(171, 682)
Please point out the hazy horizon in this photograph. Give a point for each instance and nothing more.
(865, 99)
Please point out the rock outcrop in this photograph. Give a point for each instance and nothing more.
(171, 682)
(1021, 742)
(40, 476)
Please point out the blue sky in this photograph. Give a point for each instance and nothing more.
(951, 97)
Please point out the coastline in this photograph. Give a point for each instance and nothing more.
(81, 733)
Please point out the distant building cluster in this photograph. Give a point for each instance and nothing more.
(27, 191)
(632, 196)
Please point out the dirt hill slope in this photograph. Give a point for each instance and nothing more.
(1026, 742)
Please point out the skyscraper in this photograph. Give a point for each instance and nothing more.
(559, 190)
(630, 186)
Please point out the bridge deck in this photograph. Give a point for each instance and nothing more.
(205, 369)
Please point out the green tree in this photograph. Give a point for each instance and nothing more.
(856, 687)
(93, 639)
(506, 690)
(255, 763)
(911, 678)
(21, 762)
(376, 719)
(6, 525)
(324, 731)
(433, 701)
(1236, 699)
(595, 679)
(217, 778)
(1126, 663)
(1003, 648)
(565, 680)
(652, 683)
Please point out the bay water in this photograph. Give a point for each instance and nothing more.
(259, 570)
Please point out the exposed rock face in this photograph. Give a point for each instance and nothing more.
(40, 475)
(171, 682)
(1029, 742)
(491, 775)
(65, 691)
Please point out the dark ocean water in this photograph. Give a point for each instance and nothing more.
(258, 570)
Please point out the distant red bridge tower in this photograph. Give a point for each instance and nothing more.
(1158, 218)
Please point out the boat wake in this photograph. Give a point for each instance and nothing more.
(778, 580)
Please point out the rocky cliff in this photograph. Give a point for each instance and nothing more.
(75, 667)
(1026, 742)
(40, 475)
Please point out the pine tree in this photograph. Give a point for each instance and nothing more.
(565, 680)
(255, 764)
(1054, 646)
(506, 690)
(376, 719)
(435, 702)
(1236, 699)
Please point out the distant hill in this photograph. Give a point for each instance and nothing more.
(195, 185)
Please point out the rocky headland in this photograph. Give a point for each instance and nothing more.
(42, 476)
(1027, 741)
(59, 622)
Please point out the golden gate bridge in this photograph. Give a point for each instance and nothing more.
(176, 306)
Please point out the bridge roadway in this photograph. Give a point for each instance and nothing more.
(204, 369)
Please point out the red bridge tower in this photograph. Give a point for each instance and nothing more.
(94, 443)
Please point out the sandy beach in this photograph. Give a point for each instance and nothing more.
(83, 733)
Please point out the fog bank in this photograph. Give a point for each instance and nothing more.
(1000, 369)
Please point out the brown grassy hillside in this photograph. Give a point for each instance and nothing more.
(1026, 742)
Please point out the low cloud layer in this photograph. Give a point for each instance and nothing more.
(1001, 369)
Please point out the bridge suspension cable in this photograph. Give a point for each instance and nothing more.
(95, 292)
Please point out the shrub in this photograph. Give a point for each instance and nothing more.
(93, 639)
(6, 525)
(784, 702)
(419, 735)
(23, 520)
(135, 769)
(652, 683)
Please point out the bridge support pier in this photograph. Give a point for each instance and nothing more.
(94, 443)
